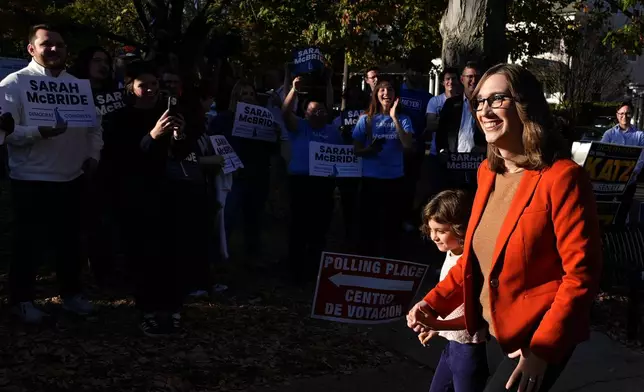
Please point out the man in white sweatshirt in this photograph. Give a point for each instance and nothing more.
(47, 167)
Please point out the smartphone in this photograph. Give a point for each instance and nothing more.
(172, 106)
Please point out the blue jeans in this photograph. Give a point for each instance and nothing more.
(462, 368)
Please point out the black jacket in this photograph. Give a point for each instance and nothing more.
(449, 124)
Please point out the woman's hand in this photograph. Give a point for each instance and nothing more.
(167, 124)
(392, 111)
(297, 83)
(420, 316)
(530, 371)
(425, 337)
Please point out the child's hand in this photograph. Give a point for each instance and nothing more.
(425, 337)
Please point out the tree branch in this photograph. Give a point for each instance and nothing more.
(143, 18)
(615, 4)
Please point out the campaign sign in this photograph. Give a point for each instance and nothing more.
(610, 166)
(465, 161)
(109, 102)
(307, 60)
(47, 101)
(350, 117)
(333, 160)
(607, 210)
(365, 290)
(254, 122)
(223, 148)
(10, 65)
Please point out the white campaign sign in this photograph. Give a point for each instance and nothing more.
(333, 160)
(223, 148)
(47, 101)
(254, 122)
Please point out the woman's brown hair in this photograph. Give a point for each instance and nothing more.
(543, 141)
(235, 94)
(451, 207)
(374, 106)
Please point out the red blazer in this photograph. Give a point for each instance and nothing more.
(546, 267)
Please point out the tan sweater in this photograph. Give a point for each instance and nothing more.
(487, 231)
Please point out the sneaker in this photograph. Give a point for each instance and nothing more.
(199, 294)
(175, 322)
(150, 326)
(28, 313)
(78, 305)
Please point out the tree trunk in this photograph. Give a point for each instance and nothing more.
(474, 30)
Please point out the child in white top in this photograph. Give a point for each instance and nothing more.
(463, 363)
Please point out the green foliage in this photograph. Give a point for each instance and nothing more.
(629, 37)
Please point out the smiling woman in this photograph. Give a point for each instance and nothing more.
(533, 234)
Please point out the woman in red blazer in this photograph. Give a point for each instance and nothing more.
(532, 258)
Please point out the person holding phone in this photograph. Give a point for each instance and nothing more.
(143, 139)
(380, 137)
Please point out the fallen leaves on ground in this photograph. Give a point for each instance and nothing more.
(229, 344)
(610, 316)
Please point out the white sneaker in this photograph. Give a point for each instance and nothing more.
(199, 294)
(28, 313)
(78, 304)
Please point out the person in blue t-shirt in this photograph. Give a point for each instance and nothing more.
(311, 197)
(380, 137)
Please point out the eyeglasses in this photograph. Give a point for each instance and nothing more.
(494, 101)
(622, 114)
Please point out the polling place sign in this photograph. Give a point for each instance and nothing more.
(365, 290)
(223, 148)
(46, 101)
(466, 161)
(333, 160)
(609, 166)
(254, 122)
(307, 60)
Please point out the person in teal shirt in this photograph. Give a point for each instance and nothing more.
(380, 138)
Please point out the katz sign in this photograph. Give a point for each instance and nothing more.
(365, 290)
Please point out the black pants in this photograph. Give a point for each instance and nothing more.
(248, 198)
(192, 220)
(46, 219)
(413, 161)
(349, 192)
(381, 217)
(504, 370)
(101, 239)
(311, 212)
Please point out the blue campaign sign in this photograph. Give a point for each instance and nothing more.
(307, 60)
